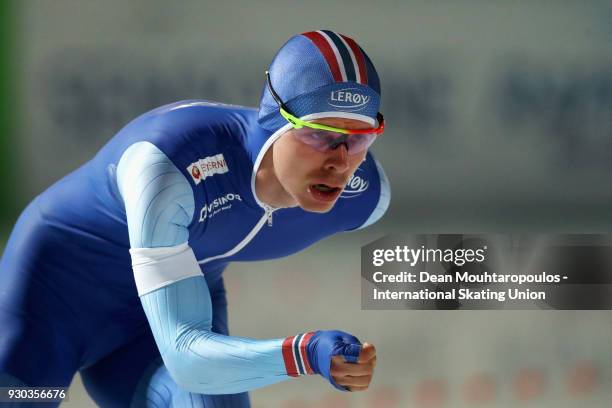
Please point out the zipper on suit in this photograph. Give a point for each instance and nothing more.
(268, 211)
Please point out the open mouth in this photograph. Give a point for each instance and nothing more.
(324, 192)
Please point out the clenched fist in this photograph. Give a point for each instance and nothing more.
(342, 359)
(355, 376)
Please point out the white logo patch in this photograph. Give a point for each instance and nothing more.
(217, 205)
(355, 186)
(207, 167)
(349, 98)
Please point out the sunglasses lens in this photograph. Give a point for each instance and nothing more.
(359, 142)
(323, 140)
(315, 138)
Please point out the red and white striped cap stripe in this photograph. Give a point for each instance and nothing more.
(342, 54)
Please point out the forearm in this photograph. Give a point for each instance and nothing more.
(198, 359)
(177, 303)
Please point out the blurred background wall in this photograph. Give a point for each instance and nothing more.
(499, 119)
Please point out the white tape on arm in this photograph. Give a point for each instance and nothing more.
(155, 268)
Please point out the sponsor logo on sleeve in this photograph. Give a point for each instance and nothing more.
(349, 98)
(207, 167)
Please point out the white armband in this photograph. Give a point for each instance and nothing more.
(155, 268)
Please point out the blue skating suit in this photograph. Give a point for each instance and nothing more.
(68, 300)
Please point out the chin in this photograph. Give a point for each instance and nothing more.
(316, 206)
(317, 209)
(312, 202)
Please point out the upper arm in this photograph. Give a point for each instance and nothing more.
(159, 202)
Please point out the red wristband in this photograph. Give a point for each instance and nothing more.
(295, 355)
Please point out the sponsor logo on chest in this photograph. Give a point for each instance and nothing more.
(355, 186)
(206, 167)
(217, 205)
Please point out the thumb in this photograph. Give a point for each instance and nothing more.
(368, 351)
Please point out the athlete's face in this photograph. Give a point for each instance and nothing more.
(312, 178)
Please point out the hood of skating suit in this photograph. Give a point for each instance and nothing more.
(317, 74)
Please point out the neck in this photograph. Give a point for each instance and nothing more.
(268, 188)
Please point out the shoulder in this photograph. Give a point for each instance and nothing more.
(156, 195)
(191, 124)
(193, 115)
(143, 160)
(200, 137)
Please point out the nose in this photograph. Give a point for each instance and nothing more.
(337, 159)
